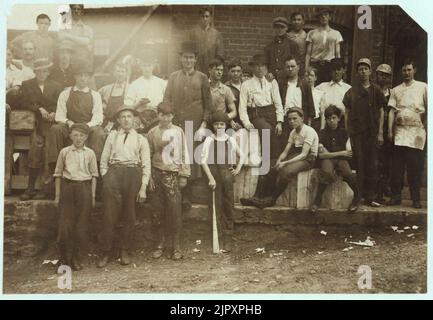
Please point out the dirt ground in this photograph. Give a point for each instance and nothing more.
(294, 261)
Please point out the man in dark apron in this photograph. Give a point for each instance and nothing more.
(112, 96)
(78, 104)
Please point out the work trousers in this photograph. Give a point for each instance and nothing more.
(75, 204)
(166, 209)
(411, 160)
(121, 185)
(365, 154)
(224, 200)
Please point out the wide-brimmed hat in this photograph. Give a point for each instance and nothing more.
(42, 63)
(258, 59)
(188, 47)
(125, 108)
(280, 21)
(385, 68)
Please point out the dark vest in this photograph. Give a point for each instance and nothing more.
(79, 106)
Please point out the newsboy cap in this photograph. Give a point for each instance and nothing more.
(125, 108)
(188, 47)
(365, 61)
(385, 68)
(81, 127)
(280, 21)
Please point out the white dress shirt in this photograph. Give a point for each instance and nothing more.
(293, 96)
(258, 93)
(334, 93)
(152, 89)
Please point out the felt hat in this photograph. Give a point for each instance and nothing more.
(42, 63)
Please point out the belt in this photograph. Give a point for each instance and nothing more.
(260, 107)
(119, 165)
(77, 181)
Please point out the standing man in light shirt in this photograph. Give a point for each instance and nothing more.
(44, 43)
(147, 92)
(299, 36)
(260, 107)
(296, 93)
(28, 58)
(78, 104)
(335, 89)
(80, 34)
(406, 128)
(125, 168)
(323, 45)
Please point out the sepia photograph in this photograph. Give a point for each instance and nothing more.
(205, 149)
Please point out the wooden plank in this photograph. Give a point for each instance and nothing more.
(307, 188)
(337, 195)
(21, 142)
(8, 162)
(245, 184)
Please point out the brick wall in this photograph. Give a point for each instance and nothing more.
(248, 29)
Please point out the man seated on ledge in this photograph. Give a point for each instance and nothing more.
(299, 155)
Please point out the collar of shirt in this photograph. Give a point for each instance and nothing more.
(218, 86)
(74, 148)
(340, 83)
(295, 83)
(85, 90)
(119, 85)
(79, 23)
(279, 39)
(259, 80)
(122, 131)
(224, 137)
(190, 73)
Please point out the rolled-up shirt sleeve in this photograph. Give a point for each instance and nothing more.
(145, 161)
(277, 101)
(61, 106)
(60, 165)
(243, 101)
(105, 156)
(97, 111)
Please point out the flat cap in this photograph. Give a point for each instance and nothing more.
(81, 127)
(385, 68)
(365, 61)
(281, 21)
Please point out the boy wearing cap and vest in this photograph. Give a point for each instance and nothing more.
(78, 104)
(383, 80)
(219, 164)
(279, 49)
(323, 45)
(40, 96)
(125, 168)
(364, 122)
(113, 96)
(75, 173)
(170, 171)
(188, 91)
(299, 155)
